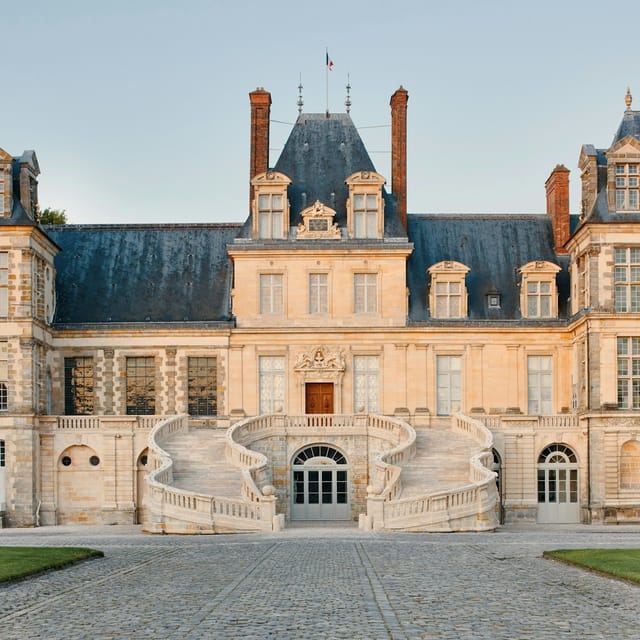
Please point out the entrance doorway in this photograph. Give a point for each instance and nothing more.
(558, 485)
(320, 485)
(319, 397)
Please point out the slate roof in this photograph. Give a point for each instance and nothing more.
(142, 273)
(630, 126)
(322, 151)
(494, 247)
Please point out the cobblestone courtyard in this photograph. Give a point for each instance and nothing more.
(321, 583)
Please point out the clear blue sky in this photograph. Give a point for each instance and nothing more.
(138, 109)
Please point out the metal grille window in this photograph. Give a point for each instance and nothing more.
(365, 215)
(626, 182)
(539, 299)
(4, 284)
(365, 294)
(318, 293)
(271, 376)
(629, 373)
(271, 293)
(202, 386)
(4, 375)
(78, 386)
(2, 454)
(141, 385)
(270, 215)
(627, 279)
(366, 383)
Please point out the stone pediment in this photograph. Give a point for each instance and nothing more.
(317, 223)
(321, 359)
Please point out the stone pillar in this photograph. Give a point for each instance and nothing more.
(108, 382)
(170, 380)
(260, 114)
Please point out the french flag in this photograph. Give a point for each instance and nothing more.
(329, 62)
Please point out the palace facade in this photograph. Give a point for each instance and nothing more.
(333, 358)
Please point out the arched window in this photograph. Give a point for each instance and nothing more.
(558, 499)
(630, 465)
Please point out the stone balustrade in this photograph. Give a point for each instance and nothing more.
(558, 421)
(96, 423)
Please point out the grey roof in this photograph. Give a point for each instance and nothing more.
(494, 247)
(142, 273)
(322, 151)
(630, 126)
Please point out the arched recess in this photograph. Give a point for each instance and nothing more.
(558, 487)
(496, 466)
(79, 486)
(630, 465)
(320, 484)
(142, 491)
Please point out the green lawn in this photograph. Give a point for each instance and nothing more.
(620, 563)
(18, 562)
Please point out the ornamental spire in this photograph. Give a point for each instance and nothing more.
(628, 98)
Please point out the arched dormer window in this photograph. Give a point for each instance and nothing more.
(448, 292)
(538, 290)
(270, 206)
(365, 207)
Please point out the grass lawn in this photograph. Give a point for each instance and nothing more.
(18, 562)
(619, 563)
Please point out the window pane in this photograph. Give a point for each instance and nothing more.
(358, 202)
(372, 202)
(78, 386)
(140, 392)
(263, 203)
(202, 386)
(276, 202)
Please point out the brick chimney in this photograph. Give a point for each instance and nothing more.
(260, 113)
(399, 151)
(557, 187)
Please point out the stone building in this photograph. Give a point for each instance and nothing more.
(333, 358)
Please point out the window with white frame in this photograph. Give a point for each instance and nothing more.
(626, 181)
(270, 215)
(271, 383)
(365, 292)
(448, 291)
(540, 385)
(366, 384)
(628, 373)
(627, 279)
(449, 384)
(4, 284)
(365, 215)
(271, 293)
(4, 375)
(318, 293)
(538, 290)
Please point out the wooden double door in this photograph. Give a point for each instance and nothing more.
(319, 397)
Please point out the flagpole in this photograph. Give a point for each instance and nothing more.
(326, 76)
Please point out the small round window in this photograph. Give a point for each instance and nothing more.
(94, 461)
(66, 461)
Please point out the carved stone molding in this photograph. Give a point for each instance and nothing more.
(317, 223)
(320, 359)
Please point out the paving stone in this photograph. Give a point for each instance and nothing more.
(322, 582)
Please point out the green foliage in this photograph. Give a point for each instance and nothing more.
(53, 216)
(19, 562)
(620, 563)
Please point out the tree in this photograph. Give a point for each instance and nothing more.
(53, 216)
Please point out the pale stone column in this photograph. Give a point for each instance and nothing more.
(170, 380)
(108, 382)
(475, 377)
(401, 372)
(513, 391)
(235, 375)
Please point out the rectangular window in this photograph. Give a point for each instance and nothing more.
(318, 293)
(539, 385)
(141, 385)
(78, 386)
(628, 372)
(4, 375)
(365, 215)
(271, 381)
(270, 215)
(202, 386)
(365, 294)
(271, 293)
(366, 384)
(626, 181)
(626, 275)
(38, 288)
(449, 384)
(539, 299)
(4, 284)
(448, 299)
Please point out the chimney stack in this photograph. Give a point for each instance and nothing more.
(557, 188)
(260, 113)
(399, 151)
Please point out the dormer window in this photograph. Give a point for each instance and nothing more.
(627, 177)
(365, 205)
(538, 292)
(448, 292)
(270, 206)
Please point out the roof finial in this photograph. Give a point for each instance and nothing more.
(628, 98)
(347, 102)
(300, 100)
